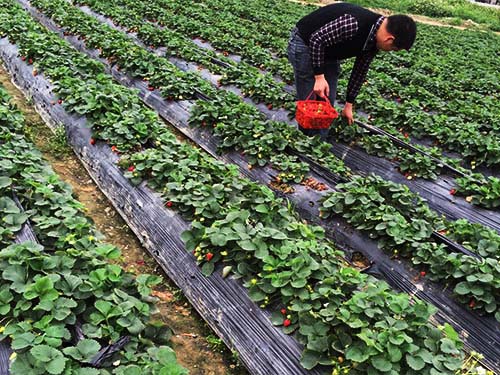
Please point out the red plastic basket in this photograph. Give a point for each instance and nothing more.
(315, 114)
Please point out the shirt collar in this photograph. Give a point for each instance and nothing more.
(370, 41)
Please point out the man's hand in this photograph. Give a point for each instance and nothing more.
(321, 87)
(347, 113)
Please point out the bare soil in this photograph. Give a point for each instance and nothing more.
(197, 348)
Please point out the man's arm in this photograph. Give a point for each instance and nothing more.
(358, 76)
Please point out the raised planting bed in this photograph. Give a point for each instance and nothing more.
(152, 95)
(134, 158)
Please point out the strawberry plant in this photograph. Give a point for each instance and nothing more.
(482, 191)
(65, 284)
(375, 210)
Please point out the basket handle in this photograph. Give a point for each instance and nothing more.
(315, 95)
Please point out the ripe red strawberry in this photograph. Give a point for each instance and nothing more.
(209, 256)
(287, 322)
(283, 311)
(131, 168)
(472, 303)
(406, 135)
(140, 262)
(30, 61)
(114, 148)
(169, 204)
(203, 123)
(59, 101)
(422, 273)
(92, 141)
(151, 88)
(269, 106)
(23, 58)
(453, 191)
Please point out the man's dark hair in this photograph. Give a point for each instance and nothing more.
(404, 30)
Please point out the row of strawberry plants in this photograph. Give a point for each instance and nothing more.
(260, 87)
(131, 18)
(477, 188)
(476, 281)
(215, 111)
(200, 24)
(242, 224)
(264, 13)
(451, 133)
(48, 290)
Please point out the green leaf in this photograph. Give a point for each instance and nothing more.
(462, 288)
(299, 283)
(247, 245)
(5, 182)
(349, 199)
(381, 363)
(208, 268)
(166, 355)
(56, 366)
(261, 208)
(309, 359)
(394, 352)
(85, 350)
(218, 239)
(356, 354)
(103, 306)
(397, 340)
(53, 358)
(108, 251)
(450, 332)
(448, 346)
(43, 353)
(256, 294)
(86, 371)
(22, 341)
(415, 362)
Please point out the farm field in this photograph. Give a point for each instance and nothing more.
(373, 252)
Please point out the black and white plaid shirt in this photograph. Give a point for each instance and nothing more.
(342, 29)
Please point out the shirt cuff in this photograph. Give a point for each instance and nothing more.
(319, 70)
(350, 99)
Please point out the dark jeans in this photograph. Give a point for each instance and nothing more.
(300, 58)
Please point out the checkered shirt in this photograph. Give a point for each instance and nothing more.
(339, 30)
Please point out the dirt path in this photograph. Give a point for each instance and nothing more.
(197, 348)
(422, 19)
